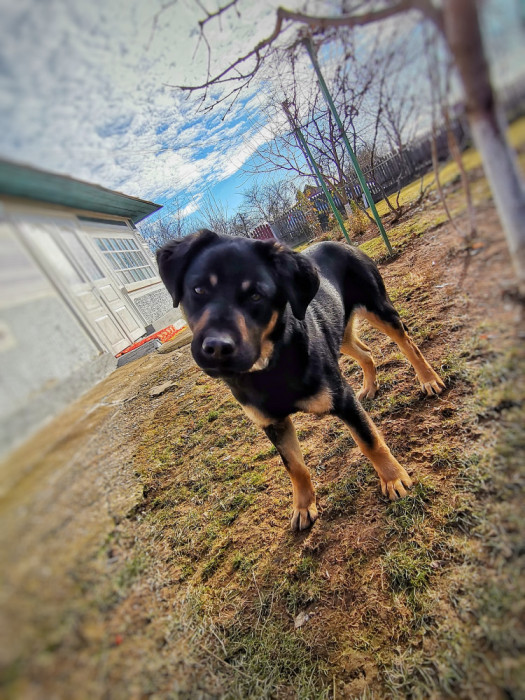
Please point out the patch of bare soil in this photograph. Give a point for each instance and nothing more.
(145, 544)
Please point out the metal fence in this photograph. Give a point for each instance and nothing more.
(293, 229)
(387, 176)
(394, 171)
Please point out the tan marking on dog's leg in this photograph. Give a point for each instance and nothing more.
(284, 437)
(352, 346)
(266, 345)
(391, 474)
(320, 404)
(257, 416)
(431, 382)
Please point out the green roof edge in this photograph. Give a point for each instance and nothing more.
(28, 182)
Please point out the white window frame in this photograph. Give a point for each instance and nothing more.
(94, 229)
(127, 262)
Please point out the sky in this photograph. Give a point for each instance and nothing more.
(86, 89)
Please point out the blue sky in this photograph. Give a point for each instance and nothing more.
(85, 90)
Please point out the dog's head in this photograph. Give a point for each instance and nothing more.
(234, 292)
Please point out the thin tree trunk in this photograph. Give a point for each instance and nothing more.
(455, 151)
(463, 34)
(435, 165)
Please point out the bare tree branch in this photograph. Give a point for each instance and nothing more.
(321, 23)
(256, 51)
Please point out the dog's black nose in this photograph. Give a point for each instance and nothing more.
(219, 347)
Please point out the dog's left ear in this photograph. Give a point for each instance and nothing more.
(174, 258)
(297, 276)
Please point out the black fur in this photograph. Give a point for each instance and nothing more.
(270, 322)
(314, 294)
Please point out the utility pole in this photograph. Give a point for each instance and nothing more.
(304, 147)
(329, 101)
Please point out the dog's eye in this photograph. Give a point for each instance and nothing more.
(255, 297)
(200, 290)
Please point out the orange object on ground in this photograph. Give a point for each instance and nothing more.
(164, 335)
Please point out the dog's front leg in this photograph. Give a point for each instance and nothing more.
(393, 477)
(283, 436)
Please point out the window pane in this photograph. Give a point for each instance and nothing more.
(129, 260)
(113, 261)
(121, 261)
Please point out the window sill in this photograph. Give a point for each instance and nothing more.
(143, 284)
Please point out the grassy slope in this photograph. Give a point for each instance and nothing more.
(422, 605)
(195, 592)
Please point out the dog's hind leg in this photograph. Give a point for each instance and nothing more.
(386, 319)
(283, 436)
(353, 347)
(394, 479)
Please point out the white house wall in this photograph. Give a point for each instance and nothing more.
(41, 343)
(49, 345)
(149, 297)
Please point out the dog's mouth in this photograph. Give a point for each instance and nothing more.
(238, 361)
(218, 373)
(223, 370)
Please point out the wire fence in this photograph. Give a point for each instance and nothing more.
(385, 175)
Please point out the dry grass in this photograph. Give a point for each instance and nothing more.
(193, 594)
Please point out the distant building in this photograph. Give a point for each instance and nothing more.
(77, 285)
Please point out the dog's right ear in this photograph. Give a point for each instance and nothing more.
(174, 258)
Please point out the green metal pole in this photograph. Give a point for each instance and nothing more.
(316, 170)
(324, 89)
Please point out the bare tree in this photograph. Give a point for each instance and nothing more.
(163, 229)
(242, 224)
(214, 215)
(352, 81)
(269, 201)
(458, 23)
(439, 81)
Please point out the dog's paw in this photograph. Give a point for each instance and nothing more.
(368, 391)
(395, 488)
(432, 385)
(303, 518)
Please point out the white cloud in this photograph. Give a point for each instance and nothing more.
(85, 93)
(84, 90)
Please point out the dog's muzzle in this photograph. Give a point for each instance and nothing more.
(219, 347)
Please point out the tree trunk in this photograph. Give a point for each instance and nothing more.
(463, 34)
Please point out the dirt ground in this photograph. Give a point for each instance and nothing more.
(144, 542)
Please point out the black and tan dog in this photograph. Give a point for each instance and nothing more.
(271, 323)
